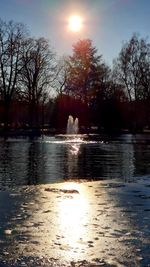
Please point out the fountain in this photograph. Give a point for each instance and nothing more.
(76, 126)
(72, 125)
(72, 137)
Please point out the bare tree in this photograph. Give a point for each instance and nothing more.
(144, 69)
(133, 67)
(38, 72)
(11, 38)
(61, 75)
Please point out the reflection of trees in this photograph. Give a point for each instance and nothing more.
(118, 162)
(36, 163)
(127, 164)
(88, 162)
(22, 162)
(105, 161)
(142, 158)
(82, 161)
(5, 158)
(13, 162)
(25, 162)
(33, 164)
(54, 159)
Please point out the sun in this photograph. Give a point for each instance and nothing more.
(75, 23)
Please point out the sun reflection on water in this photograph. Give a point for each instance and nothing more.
(73, 211)
(74, 221)
(74, 149)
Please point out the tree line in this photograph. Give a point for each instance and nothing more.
(27, 68)
(40, 91)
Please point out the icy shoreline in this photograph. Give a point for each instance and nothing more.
(103, 223)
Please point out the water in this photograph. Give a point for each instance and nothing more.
(48, 223)
(55, 159)
(72, 125)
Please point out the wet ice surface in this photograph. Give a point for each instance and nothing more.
(76, 224)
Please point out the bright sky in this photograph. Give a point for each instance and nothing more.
(106, 22)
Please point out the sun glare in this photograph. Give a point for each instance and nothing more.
(75, 23)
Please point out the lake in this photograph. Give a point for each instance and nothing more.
(75, 201)
(57, 158)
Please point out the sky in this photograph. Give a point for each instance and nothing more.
(108, 23)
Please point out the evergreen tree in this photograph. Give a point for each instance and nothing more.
(85, 70)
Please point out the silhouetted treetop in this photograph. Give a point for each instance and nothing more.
(85, 70)
(133, 67)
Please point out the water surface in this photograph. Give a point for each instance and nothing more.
(48, 220)
(57, 158)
